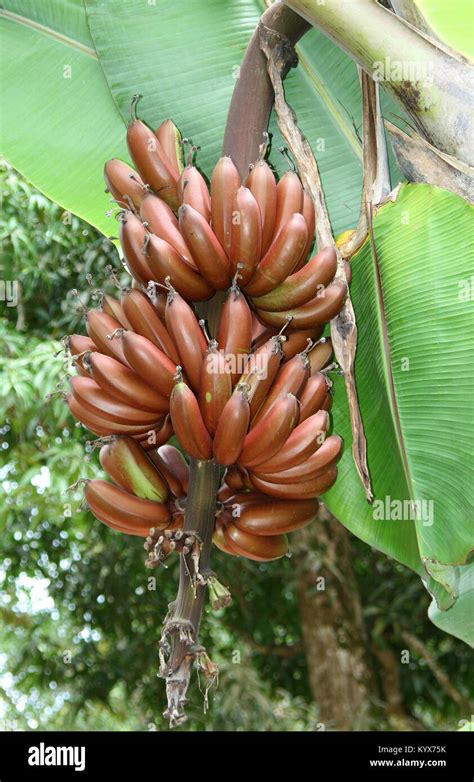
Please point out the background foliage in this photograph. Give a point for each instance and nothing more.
(78, 616)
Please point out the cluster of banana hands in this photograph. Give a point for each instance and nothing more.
(255, 397)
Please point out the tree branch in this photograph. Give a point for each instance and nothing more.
(443, 680)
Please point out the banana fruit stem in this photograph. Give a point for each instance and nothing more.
(179, 641)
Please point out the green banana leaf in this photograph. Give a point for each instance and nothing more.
(458, 620)
(414, 374)
(452, 23)
(59, 121)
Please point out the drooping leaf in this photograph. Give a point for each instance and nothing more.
(458, 620)
(414, 373)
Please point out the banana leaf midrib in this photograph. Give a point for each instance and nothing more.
(386, 355)
(48, 31)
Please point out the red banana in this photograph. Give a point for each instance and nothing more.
(236, 477)
(258, 329)
(327, 454)
(172, 145)
(193, 191)
(150, 160)
(132, 235)
(100, 425)
(304, 440)
(261, 548)
(149, 362)
(271, 431)
(297, 341)
(206, 249)
(113, 308)
(77, 344)
(145, 321)
(262, 368)
(246, 236)
(100, 326)
(224, 492)
(99, 402)
(154, 438)
(219, 540)
(313, 396)
(310, 217)
(232, 428)
(124, 384)
(290, 379)
(276, 517)
(303, 285)
(297, 491)
(261, 183)
(127, 509)
(215, 386)
(161, 221)
(320, 355)
(187, 334)
(225, 181)
(187, 422)
(289, 200)
(280, 258)
(124, 184)
(321, 309)
(174, 468)
(158, 302)
(234, 335)
(114, 520)
(125, 461)
(166, 263)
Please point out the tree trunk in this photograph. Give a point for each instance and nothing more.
(339, 665)
(395, 712)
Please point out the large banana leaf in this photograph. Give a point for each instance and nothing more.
(414, 374)
(59, 121)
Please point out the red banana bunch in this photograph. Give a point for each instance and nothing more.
(254, 396)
